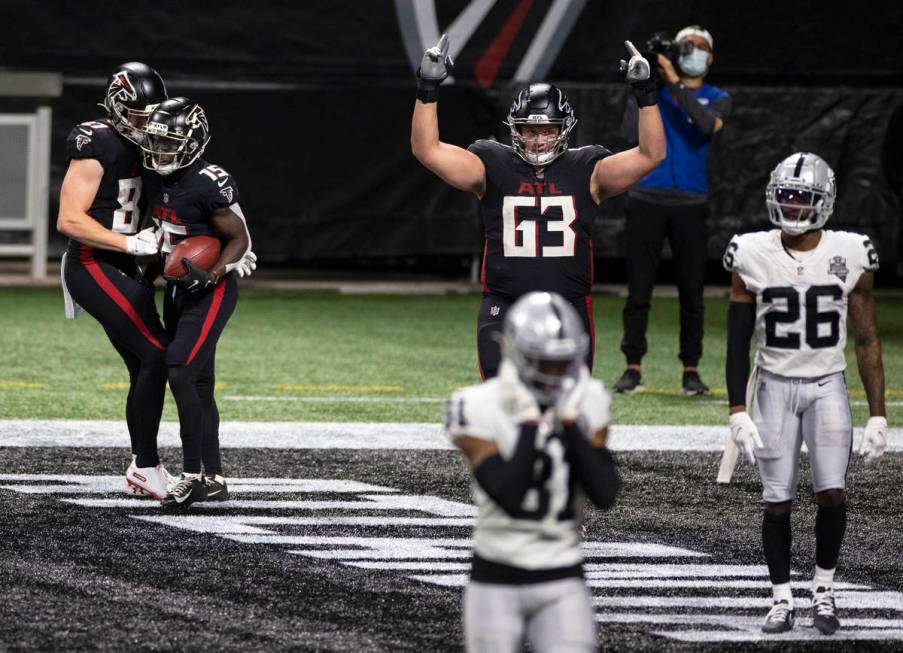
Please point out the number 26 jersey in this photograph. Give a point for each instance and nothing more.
(801, 303)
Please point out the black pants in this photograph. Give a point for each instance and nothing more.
(647, 226)
(492, 313)
(194, 322)
(103, 284)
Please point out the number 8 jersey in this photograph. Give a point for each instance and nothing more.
(538, 226)
(801, 297)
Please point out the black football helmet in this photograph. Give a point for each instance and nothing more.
(175, 136)
(132, 93)
(540, 104)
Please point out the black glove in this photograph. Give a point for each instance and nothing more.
(195, 280)
(641, 77)
(434, 68)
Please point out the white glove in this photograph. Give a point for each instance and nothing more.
(586, 402)
(746, 435)
(637, 68)
(246, 264)
(874, 439)
(143, 243)
(518, 400)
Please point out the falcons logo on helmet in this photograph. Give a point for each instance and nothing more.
(122, 89)
(197, 118)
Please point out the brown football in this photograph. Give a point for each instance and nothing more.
(202, 251)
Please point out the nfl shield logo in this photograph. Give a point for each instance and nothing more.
(166, 198)
(838, 268)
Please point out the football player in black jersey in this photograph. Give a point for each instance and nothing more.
(537, 196)
(100, 213)
(189, 197)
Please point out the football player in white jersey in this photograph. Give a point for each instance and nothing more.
(534, 438)
(793, 287)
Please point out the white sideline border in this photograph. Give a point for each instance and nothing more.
(350, 435)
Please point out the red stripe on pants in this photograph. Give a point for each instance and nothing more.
(218, 293)
(97, 273)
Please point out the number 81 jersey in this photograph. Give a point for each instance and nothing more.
(801, 298)
(544, 532)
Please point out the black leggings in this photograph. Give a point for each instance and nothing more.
(101, 282)
(194, 323)
(492, 313)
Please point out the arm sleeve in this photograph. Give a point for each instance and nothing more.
(703, 117)
(507, 481)
(741, 321)
(594, 466)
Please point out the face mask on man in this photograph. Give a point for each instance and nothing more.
(694, 64)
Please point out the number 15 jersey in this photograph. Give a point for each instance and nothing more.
(538, 226)
(801, 301)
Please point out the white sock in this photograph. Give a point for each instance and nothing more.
(823, 578)
(782, 593)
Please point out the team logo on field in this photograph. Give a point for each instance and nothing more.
(676, 593)
(227, 193)
(80, 141)
(838, 268)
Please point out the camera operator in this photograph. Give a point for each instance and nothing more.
(672, 201)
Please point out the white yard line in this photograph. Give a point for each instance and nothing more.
(348, 435)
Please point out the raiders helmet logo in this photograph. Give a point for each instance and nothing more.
(838, 268)
(80, 141)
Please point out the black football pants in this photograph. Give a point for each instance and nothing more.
(647, 226)
(492, 313)
(100, 283)
(194, 322)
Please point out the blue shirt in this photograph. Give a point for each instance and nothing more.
(684, 167)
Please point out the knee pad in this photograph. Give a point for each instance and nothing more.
(834, 498)
(180, 379)
(778, 509)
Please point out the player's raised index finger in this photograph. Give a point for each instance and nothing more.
(442, 46)
(631, 49)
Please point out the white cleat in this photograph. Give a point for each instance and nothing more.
(152, 481)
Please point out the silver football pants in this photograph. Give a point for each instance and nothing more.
(554, 616)
(792, 411)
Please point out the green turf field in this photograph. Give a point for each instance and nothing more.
(304, 354)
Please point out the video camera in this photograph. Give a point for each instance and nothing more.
(663, 43)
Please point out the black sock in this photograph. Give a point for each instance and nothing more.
(830, 526)
(776, 540)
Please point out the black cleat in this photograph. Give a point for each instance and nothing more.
(693, 385)
(780, 618)
(824, 615)
(189, 489)
(631, 381)
(216, 488)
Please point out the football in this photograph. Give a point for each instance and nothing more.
(202, 251)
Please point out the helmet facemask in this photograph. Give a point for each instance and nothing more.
(542, 150)
(800, 194)
(174, 140)
(547, 376)
(133, 93)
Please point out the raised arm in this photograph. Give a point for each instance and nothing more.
(453, 164)
(616, 173)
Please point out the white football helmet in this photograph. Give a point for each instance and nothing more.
(800, 193)
(546, 340)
